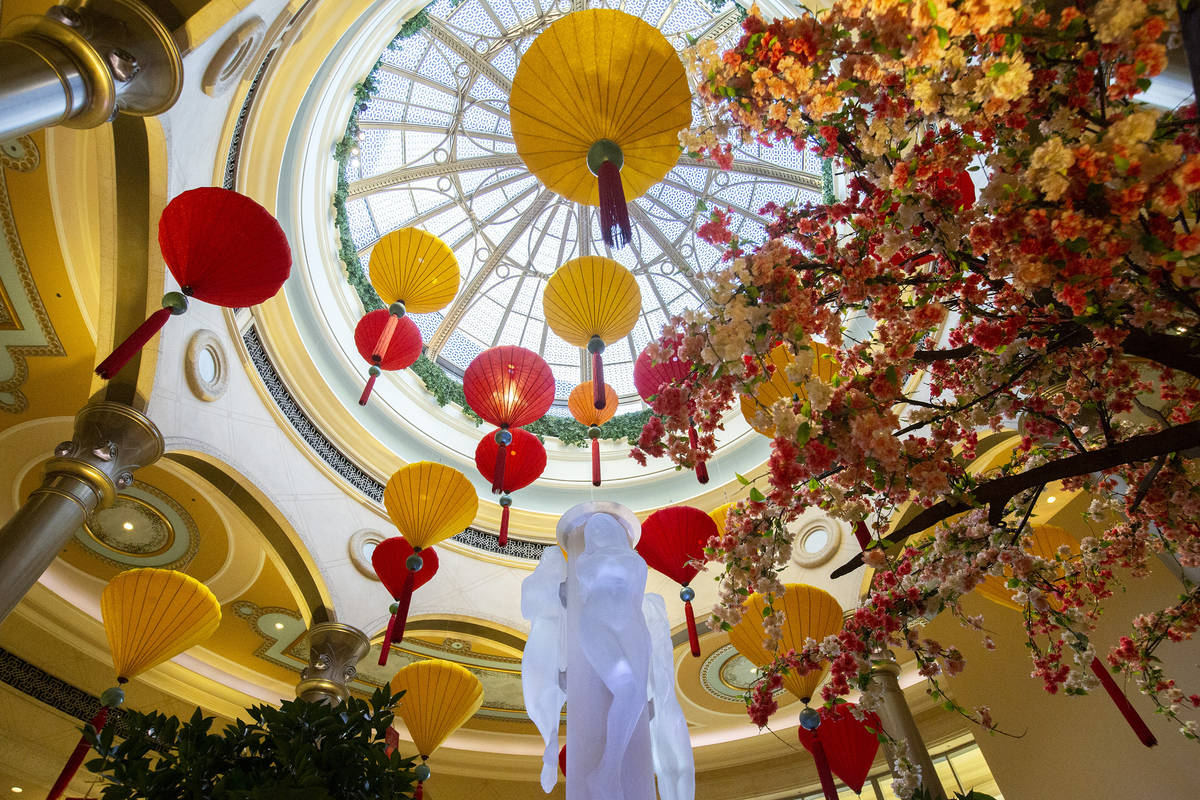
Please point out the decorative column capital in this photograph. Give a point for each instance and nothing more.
(111, 440)
(334, 650)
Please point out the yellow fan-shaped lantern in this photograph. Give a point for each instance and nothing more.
(415, 268)
(809, 613)
(1044, 541)
(596, 105)
(719, 515)
(151, 615)
(823, 367)
(591, 302)
(439, 696)
(429, 502)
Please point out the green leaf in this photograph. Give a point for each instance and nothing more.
(943, 35)
(932, 6)
(998, 69)
(756, 495)
(847, 85)
(741, 479)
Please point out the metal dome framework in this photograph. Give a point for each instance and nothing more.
(436, 152)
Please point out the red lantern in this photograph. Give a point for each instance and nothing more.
(650, 379)
(403, 347)
(673, 541)
(222, 248)
(843, 745)
(402, 571)
(508, 386)
(526, 460)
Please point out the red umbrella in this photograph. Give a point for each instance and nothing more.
(508, 386)
(673, 541)
(841, 744)
(403, 347)
(650, 379)
(526, 460)
(402, 571)
(222, 248)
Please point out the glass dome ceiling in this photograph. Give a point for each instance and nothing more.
(436, 152)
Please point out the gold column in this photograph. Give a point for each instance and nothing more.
(898, 722)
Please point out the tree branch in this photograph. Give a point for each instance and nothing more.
(997, 492)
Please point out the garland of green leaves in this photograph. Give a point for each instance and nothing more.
(444, 388)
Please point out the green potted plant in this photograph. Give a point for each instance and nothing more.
(300, 750)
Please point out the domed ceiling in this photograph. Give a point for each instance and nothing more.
(435, 151)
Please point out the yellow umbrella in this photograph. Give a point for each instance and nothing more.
(596, 106)
(429, 502)
(439, 696)
(809, 613)
(591, 302)
(150, 615)
(823, 367)
(412, 272)
(1044, 541)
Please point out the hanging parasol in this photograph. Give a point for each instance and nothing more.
(403, 347)
(390, 560)
(651, 378)
(508, 386)
(841, 744)
(673, 542)
(222, 248)
(824, 368)
(597, 104)
(583, 408)
(439, 696)
(413, 272)
(525, 462)
(592, 302)
(150, 616)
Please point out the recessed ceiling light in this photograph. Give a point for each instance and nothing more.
(278, 626)
(17, 789)
(128, 526)
(1051, 499)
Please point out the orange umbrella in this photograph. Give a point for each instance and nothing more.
(583, 408)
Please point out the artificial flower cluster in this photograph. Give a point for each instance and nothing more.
(1019, 234)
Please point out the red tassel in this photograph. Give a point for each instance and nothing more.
(598, 398)
(562, 760)
(118, 358)
(498, 473)
(392, 738)
(387, 641)
(1123, 705)
(385, 338)
(419, 792)
(404, 601)
(362, 400)
(81, 749)
(504, 527)
(614, 215)
(693, 636)
(827, 784)
(701, 467)
(863, 535)
(595, 462)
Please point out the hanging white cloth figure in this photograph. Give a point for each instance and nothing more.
(670, 742)
(543, 664)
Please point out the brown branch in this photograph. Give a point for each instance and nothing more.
(997, 492)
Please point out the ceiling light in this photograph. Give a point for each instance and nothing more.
(278, 626)
(1051, 499)
(127, 526)
(17, 789)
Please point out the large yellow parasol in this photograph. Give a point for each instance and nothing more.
(429, 502)
(439, 696)
(412, 272)
(779, 359)
(597, 105)
(591, 302)
(808, 613)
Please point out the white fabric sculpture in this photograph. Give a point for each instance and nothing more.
(592, 618)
